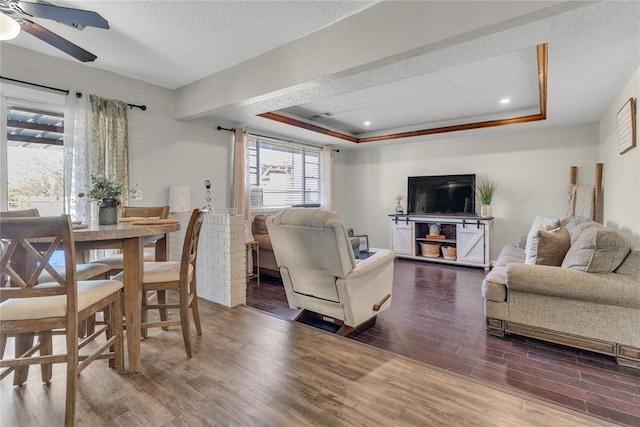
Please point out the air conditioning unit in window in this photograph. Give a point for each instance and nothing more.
(256, 197)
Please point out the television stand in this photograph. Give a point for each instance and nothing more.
(469, 235)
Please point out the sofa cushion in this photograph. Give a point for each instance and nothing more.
(509, 254)
(512, 251)
(260, 225)
(597, 250)
(540, 222)
(552, 246)
(264, 242)
(571, 284)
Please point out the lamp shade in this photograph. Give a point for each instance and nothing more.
(9, 27)
(180, 198)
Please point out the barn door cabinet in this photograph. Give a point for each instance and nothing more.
(470, 236)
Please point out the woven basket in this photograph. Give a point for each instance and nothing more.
(430, 250)
(449, 252)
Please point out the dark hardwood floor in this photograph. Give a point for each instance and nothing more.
(436, 317)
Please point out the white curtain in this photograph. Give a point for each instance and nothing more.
(77, 119)
(241, 184)
(326, 178)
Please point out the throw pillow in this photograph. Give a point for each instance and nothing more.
(577, 225)
(597, 250)
(552, 246)
(539, 223)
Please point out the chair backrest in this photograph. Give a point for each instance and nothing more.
(22, 263)
(190, 245)
(312, 249)
(159, 212)
(24, 213)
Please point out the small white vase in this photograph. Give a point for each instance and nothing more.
(485, 211)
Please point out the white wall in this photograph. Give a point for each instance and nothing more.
(621, 194)
(532, 167)
(162, 151)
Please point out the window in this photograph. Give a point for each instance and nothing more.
(35, 158)
(283, 174)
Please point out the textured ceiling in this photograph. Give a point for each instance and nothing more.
(462, 92)
(594, 48)
(172, 43)
(593, 52)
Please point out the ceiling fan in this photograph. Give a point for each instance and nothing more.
(20, 12)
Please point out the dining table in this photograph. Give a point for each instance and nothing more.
(130, 237)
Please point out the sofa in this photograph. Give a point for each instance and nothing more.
(573, 282)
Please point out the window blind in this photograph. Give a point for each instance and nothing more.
(283, 174)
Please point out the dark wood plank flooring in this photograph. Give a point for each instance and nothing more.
(437, 317)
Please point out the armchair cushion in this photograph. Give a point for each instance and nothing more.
(264, 241)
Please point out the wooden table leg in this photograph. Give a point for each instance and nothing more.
(161, 249)
(132, 263)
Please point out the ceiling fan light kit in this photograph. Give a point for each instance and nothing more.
(19, 13)
(9, 28)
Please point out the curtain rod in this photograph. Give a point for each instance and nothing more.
(65, 91)
(274, 137)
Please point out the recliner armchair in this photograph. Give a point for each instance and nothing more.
(320, 273)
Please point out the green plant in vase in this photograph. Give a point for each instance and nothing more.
(485, 190)
(105, 191)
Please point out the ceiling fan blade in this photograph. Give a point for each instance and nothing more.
(64, 14)
(56, 41)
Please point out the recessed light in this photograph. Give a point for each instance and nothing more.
(367, 123)
(505, 101)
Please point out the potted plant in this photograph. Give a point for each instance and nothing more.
(105, 191)
(485, 189)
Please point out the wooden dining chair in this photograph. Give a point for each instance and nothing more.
(28, 307)
(83, 271)
(177, 276)
(21, 213)
(115, 261)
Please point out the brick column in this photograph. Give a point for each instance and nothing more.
(221, 267)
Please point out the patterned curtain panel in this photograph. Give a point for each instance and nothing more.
(110, 141)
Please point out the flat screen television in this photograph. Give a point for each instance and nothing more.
(442, 194)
